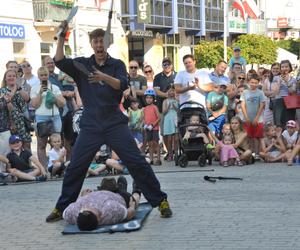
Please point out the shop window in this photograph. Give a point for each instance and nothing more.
(46, 48)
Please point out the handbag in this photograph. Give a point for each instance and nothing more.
(45, 129)
(292, 101)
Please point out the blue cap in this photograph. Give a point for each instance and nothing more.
(150, 92)
(237, 49)
(14, 138)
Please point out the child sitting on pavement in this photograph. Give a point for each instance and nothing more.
(228, 154)
(272, 145)
(57, 156)
(290, 135)
(96, 166)
(22, 164)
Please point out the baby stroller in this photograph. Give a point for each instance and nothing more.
(195, 148)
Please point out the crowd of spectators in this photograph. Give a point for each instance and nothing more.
(251, 115)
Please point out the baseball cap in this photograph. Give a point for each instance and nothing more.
(291, 124)
(237, 49)
(167, 60)
(13, 139)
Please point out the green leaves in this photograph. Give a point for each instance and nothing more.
(257, 49)
(209, 53)
(291, 45)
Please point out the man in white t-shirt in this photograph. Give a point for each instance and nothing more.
(192, 84)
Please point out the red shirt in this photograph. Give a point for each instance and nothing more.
(151, 116)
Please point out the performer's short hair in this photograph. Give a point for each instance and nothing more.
(96, 33)
(87, 221)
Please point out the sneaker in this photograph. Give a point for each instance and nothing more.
(55, 215)
(41, 178)
(225, 164)
(165, 210)
(122, 184)
(239, 163)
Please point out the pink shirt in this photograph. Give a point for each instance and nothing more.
(111, 206)
(151, 116)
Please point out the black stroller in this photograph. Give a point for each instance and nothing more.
(195, 149)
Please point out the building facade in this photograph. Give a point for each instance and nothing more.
(28, 27)
(164, 28)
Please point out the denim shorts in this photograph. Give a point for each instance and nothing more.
(55, 119)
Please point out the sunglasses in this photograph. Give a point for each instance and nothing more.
(26, 66)
(241, 78)
(148, 71)
(133, 67)
(166, 65)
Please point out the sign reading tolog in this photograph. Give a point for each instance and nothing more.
(12, 31)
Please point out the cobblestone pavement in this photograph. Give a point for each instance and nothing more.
(260, 212)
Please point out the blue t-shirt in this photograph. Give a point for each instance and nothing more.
(241, 60)
(253, 99)
(220, 80)
(216, 101)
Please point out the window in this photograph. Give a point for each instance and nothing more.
(46, 50)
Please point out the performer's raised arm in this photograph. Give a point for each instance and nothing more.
(59, 55)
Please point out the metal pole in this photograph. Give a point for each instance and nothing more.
(225, 29)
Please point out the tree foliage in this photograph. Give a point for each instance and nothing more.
(291, 45)
(209, 53)
(257, 49)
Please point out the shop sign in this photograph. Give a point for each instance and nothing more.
(142, 33)
(12, 31)
(237, 25)
(143, 11)
(282, 22)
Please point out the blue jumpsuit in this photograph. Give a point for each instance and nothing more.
(103, 122)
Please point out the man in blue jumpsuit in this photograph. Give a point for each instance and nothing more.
(102, 122)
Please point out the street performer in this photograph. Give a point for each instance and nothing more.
(102, 122)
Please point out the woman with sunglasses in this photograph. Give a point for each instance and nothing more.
(149, 74)
(241, 80)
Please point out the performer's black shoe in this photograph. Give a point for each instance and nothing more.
(165, 210)
(55, 215)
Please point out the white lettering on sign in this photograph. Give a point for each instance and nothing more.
(143, 10)
(12, 31)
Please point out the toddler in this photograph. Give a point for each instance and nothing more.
(57, 156)
(228, 152)
(272, 145)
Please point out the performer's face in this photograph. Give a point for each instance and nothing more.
(98, 47)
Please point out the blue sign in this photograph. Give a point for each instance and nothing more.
(12, 31)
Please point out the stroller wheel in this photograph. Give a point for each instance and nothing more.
(202, 160)
(183, 161)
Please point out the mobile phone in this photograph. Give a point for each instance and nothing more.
(44, 83)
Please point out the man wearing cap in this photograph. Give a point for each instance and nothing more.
(162, 82)
(20, 162)
(237, 58)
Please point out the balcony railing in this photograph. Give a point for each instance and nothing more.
(45, 10)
